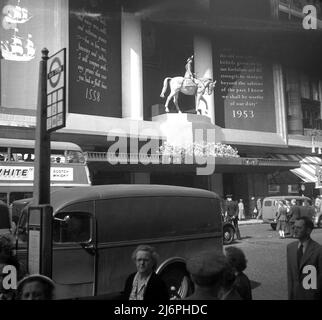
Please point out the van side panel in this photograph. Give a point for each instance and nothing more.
(176, 226)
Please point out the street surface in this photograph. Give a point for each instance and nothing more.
(266, 255)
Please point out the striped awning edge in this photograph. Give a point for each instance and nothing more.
(307, 165)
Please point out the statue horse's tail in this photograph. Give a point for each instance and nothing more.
(165, 86)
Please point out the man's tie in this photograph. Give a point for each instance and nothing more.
(299, 255)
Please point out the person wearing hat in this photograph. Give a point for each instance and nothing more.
(252, 208)
(36, 287)
(188, 67)
(231, 212)
(207, 270)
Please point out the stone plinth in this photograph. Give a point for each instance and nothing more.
(185, 128)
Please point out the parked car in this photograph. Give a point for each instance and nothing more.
(270, 207)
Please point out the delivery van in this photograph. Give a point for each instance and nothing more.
(96, 229)
(270, 207)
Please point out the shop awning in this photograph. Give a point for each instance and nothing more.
(307, 170)
(308, 164)
(134, 162)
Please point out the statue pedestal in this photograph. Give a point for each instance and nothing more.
(185, 128)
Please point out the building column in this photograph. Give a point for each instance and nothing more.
(280, 109)
(295, 116)
(204, 69)
(216, 184)
(132, 79)
(320, 97)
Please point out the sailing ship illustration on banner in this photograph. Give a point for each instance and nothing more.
(17, 48)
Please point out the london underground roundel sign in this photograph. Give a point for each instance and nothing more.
(56, 91)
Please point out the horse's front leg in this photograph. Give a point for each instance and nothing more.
(175, 100)
(205, 101)
(197, 102)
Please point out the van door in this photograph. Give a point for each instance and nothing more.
(74, 250)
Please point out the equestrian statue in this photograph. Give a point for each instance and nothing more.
(188, 85)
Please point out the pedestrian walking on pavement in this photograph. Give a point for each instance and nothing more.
(281, 219)
(252, 208)
(241, 210)
(293, 215)
(231, 212)
(259, 208)
(300, 254)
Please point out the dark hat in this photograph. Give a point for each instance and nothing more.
(207, 264)
(229, 196)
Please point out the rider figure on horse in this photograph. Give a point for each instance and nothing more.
(190, 75)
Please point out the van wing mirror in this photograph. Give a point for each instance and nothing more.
(66, 219)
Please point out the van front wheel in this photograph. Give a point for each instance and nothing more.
(228, 234)
(177, 280)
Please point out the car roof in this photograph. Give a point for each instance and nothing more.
(287, 197)
(63, 197)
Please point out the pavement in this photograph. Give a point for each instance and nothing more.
(250, 221)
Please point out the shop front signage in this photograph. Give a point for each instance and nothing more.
(12, 173)
(250, 162)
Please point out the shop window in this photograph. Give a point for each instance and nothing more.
(274, 188)
(309, 88)
(19, 195)
(311, 114)
(293, 188)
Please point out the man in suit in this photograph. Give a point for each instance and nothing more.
(293, 215)
(302, 254)
(231, 211)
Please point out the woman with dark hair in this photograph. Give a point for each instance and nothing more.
(36, 287)
(237, 260)
(145, 284)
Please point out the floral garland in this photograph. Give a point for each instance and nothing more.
(199, 149)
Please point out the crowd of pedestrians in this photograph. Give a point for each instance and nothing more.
(287, 212)
(215, 275)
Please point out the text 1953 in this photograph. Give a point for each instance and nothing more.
(243, 114)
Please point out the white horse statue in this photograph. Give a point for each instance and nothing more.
(196, 86)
